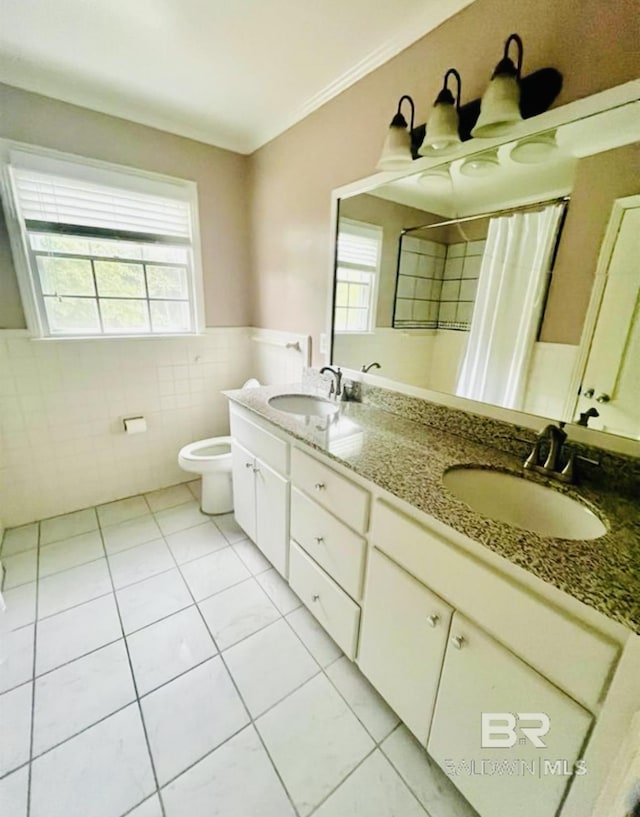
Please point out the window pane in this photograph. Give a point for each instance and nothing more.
(65, 276)
(116, 249)
(170, 316)
(59, 243)
(124, 316)
(167, 282)
(341, 320)
(357, 320)
(72, 316)
(116, 279)
(342, 294)
(165, 254)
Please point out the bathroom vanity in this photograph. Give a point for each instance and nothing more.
(448, 613)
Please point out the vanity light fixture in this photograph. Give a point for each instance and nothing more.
(436, 178)
(442, 134)
(500, 106)
(481, 164)
(534, 149)
(396, 153)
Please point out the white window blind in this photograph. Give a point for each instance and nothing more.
(358, 260)
(109, 252)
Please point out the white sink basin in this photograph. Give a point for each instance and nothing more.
(523, 504)
(306, 405)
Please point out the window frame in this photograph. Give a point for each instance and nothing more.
(363, 228)
(96, 171)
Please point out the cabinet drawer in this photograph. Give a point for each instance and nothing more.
(332, 544)
(347, 501)
(267, 447)
(572, 655)
(337, 613)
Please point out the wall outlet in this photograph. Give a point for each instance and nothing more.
(323, 343)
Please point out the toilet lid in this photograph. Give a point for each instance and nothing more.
(218, 450)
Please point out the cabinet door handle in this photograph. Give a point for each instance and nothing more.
(248, 465)
(457, 641)
(256, 470)
(319, 486)
(433, 620)
(315, 597)
(319, 539)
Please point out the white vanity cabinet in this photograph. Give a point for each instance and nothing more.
(481, 676)
(402, 641)
(261, 489)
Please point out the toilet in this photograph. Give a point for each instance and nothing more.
(211, 458)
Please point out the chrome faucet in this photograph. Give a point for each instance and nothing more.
(556, 436)
(336, 383)
(373, 365)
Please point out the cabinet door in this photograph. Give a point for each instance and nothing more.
(244, 492)
(272, 516)
(403, 638)
(523, 780)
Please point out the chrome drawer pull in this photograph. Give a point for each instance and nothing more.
(319, 539)
(457, 641)
(433, 620)
(248, 465)
(315, 597)
(319, 486)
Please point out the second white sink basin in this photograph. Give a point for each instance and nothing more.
(528, 505)
(306, 405)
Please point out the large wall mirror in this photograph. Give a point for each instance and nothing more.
(507, 274)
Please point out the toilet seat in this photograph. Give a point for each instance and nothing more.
(209, 450)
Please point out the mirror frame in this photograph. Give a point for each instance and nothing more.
(617, 96)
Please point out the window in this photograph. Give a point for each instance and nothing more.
(108, 251)
(358, 262)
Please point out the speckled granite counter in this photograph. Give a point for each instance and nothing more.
(408, 459)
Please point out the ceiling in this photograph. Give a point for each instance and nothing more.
(233, 74)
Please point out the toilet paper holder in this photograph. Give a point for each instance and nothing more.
(134, 425)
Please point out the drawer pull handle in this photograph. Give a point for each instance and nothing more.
(433, 620)
(248, 465)
(457, 641)
(256, 470)
(319, 486)
(315, 597)
(319, 539)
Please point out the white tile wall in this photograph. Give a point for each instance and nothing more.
(62, 446)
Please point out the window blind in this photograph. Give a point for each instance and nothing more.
(358, 246)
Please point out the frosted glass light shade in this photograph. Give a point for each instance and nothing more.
(442, 130)
(500, 107)
(534, 150)
(483, 164)
(437, 178)
(396, 152)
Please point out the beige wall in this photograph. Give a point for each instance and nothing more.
(222, 178)
(592, 43)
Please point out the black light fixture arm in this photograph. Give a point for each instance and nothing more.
(398, 120)
(506, 65)
(445, 93)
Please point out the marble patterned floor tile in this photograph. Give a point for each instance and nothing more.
(181, 517)
(77, 550)
(374, 789)
(20, 569)
(235, 779)
(17, 540)
(71, 587)
(321, 646)
(251, 556)
(168, 648)
(190, 716)
(67, 525)
(424, 777)
(195, 486)
(168, 497)
(213, 573)
(128, 534)
(230, 529)
(16, 665)
(78, 694)
(278, 591)
(238, 612)
(192, 543)
(14, 793)
(15, 727)
(121, 510)
(371, 709)
(20, 606)
(139, 563)
(269, 665)
(103, 772)
(75, 632)
(148, 601)
(314, 740)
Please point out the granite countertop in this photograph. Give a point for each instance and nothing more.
(408, 459)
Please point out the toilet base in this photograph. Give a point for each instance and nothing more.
(217, 493)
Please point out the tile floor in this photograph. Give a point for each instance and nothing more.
(155, 665)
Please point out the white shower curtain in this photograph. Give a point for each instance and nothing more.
(511, 289)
